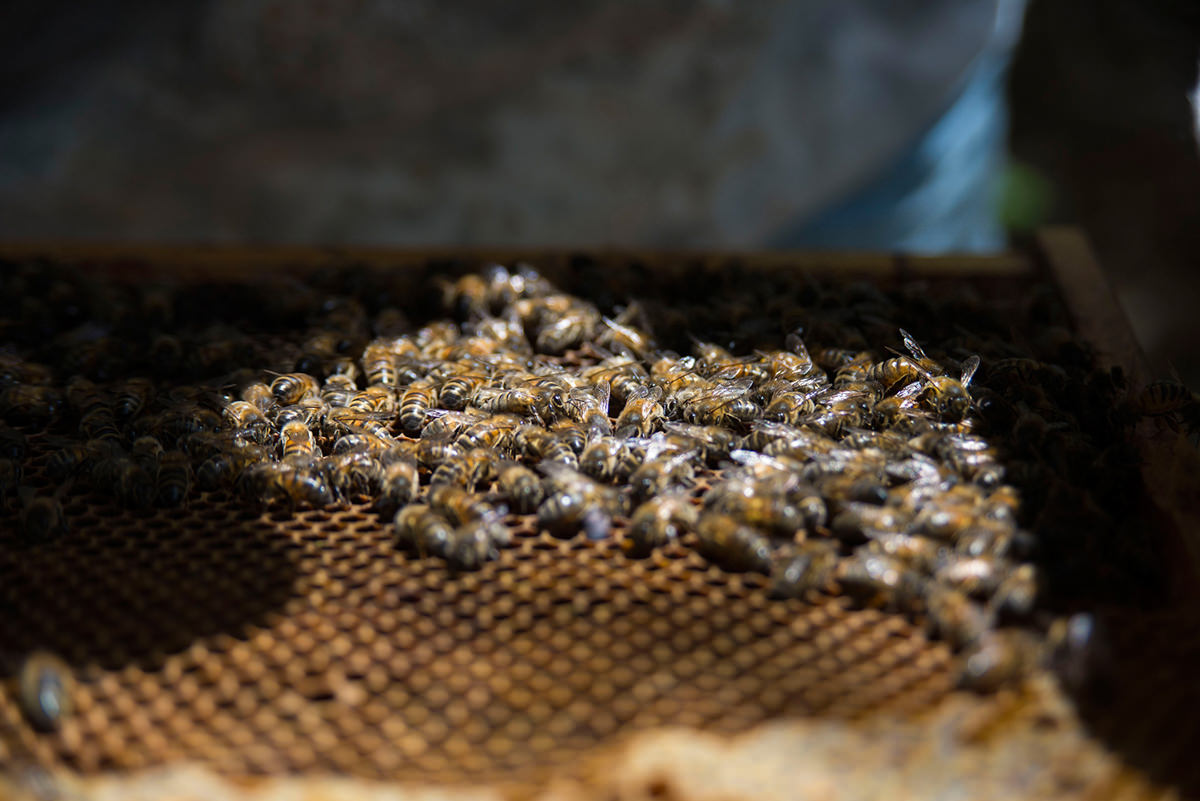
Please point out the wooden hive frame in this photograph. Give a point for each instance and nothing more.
(1009, 733)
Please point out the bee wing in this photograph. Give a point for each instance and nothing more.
(909, 390)
(732, 390)
(796, 345)
(969, 368)
(913, 348)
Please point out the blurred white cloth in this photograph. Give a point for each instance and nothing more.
(414, 122)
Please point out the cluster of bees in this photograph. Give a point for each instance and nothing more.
(821, 462)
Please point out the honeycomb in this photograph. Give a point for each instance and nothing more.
(270, 641)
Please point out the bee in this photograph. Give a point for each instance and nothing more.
(45, 688)
(1017, 593)
(731, 545)
(415, 404)
(643, 413)
(1171, 401)
(495, 431)
(359, 442)
(398, 485)
(810, 567)
(420, 530)
(66, 461)
(444, 424)
(467, 295)
(457, 505)
(291, 484)
(998, 658)
(354, 473)
(189, 419)
(572, 328)
(338, 391)
(573, 503)
(379, 363)
(124, 478)
(726, 404)
(99, 423)
(474, 543)
(295, 439)
(789, 407)
(339, 421)
(536, 444)
(713, 444)
(294, 387)
(660, 473)
(519, 486)
(259, 395)
(147, 451)
(432, 452)
(571, 434)
(458, 390)
(871, 578)
(950, 397)
(750, 505)
(219, 471)
(621, 338)
(467, 469)
(659, 521)
(541, 403)
(977, 577)
(248, 421)
(857, 522)
(42, 516)
(919, 553)
(609, 459)
(954, 617)
(174, 478)
(621, 374)
(133, 397)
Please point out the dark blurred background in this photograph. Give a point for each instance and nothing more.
(922, 125)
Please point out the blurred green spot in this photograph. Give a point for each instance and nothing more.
(1026, 198)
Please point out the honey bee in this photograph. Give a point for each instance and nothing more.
(174, 478)
(713, 444)
(100, 424)
(495, 431)
(292, 484)
(422, 531)
(572, 328)
(474, 543)
(570, 434)
(339, 421)
(919, 553)
(809, 567)
(857, 522)
(147, 450)
(124, 478)
(643, 413)
(295, 439)
(1172, 402)
(609, 459)
(621, 374)
(1017, 594)
(186, 420)
(42, 516)
(432, 452)
(726, 404)
(457, 505)
(294, 387)
(871, 578)
(458, 389)
(950, 397)
(659, 521)
(746, 502)
(955, 618)
(45, 689)
(789, 407)
(65, 461)
(259, 395)
(398, 486)
(659, 473)
(415, 404)
(467, 469)
(573, 503)
(355, 473)
(540, 403)
(617, 337)
(248, 421)
(348, 443)
(998, 658)
(536, 444)
(338, 391)
(731, 545)
(219, 471)
(444, 424)
(519, 486)
(379, 363)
